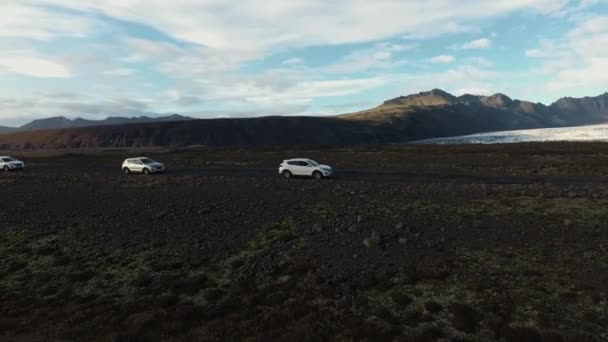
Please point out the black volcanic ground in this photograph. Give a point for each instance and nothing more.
(414, 243)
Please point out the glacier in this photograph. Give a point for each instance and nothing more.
(597, 133)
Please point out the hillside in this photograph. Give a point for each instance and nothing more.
(5, 129)
(425, 115)
(250, 131)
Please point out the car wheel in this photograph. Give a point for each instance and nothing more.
(146, 171)
(286, 174)
(126, 170)
(317, 175)
(6, 168)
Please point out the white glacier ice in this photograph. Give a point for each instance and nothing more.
(581, 133)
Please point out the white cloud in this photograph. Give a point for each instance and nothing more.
(25, 19)
(204, 43)
(535, 53)
(442, 59)
(482, 43)
(119, 72)
(292, 61)
(579, 60)
(29, 64)
(380, 56)
(253, 26)
(473, 91)
(181, 99)
(458, 80)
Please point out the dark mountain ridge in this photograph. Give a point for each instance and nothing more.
(431, 114)
(63, 122)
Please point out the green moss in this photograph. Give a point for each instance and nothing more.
(575, 209)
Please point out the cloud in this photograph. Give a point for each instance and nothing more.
(442, 59)
(579, 60)
(292, 61)
(119, 72)
(482, 43)
(149, 49)
(183, 100)
(214, 53)
(278, 24)
(458, 80)
(40, 107)
(26, 19)
(29, 64)
(474, 91)
(586, 63)
(380, 56)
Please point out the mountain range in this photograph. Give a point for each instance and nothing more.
(63, 122)
(425, 115)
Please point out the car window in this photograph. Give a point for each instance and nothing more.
(6, 159)
(303, 163)
(147, 161)
(136, 162)
(292, 163)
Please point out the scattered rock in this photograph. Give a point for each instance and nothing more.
(204, 211)
(401, 299)
(552, 336)
(317, 228)
(567, 223)
(400, 225)
(572, 194)
(520, 334)
(465, 318)
(372, 241)
(353, 228)
(403, 240)
(359, 219)
(163, 214)
(433, 307)
(142, 320)
(430, 334)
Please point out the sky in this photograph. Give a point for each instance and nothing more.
(222, 58)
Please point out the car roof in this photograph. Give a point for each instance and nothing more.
(297, 159)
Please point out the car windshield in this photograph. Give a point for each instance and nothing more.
(8, 159)
(147, 161)
(313, 163)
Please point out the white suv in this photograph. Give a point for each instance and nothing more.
(304, 167)
(8, 163)
(141, 165)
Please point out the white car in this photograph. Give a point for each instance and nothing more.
(143, 165)
(8, 163)
(304, 167)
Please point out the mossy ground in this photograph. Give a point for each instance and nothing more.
(213, 258)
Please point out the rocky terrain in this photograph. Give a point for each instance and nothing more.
(412, 243)
(409, 118)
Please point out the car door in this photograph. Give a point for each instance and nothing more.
(137, 166)
(293, 166)
(305, 168)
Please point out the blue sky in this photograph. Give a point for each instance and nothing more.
(219, 58)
